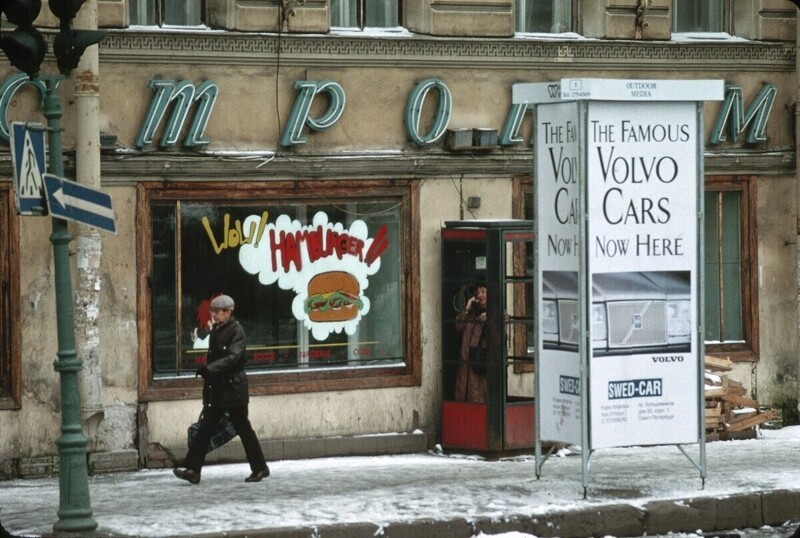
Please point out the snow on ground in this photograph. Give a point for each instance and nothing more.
(505, 535)
(385, 489)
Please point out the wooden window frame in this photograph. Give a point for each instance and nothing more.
(160, 13)
(409, 374)
(726, 22)
(361, 16)
(522, 186)
(574, 10)
(746, 185)
(10, 336)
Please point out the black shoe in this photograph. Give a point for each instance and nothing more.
(258, 475)
(187, 474)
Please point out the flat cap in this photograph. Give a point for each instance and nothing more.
(223, 302)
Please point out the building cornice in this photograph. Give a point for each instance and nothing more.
(225, 48)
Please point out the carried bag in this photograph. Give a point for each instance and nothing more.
(223, 432)
(478, 359)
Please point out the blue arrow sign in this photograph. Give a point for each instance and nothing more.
(27, 148)
(73, 201)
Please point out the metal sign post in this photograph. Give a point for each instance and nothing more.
(25, 49)
(75, 511)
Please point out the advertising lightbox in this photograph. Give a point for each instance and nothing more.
(618, 175)
(642, 255)
(559, 398)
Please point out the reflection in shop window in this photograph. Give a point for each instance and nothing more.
(730, 285)
(724, 320)
(365, 13)
(316, 285)
(694, 16)
(544, 16)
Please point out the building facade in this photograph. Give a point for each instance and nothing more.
(303, 156)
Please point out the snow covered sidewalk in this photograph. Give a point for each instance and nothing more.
(436, 495)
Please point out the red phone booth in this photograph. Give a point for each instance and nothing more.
(487, 347)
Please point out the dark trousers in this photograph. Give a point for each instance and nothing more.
(211, 416)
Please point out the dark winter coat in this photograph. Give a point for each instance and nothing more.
(226, 383)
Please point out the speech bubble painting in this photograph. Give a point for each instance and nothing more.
(291, 254)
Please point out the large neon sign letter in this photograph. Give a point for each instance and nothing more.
(414, 111)
(510, 134)
(184, 94)
(733, 108)
(298, 119)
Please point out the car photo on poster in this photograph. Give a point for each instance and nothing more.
(634, 312)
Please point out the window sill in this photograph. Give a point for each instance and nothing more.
(547, 36)
(706, 37)
(395, 31)
(743, 355)
(9, 404)
(185, 388)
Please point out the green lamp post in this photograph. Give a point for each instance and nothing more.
(75, 509)
(25, 48)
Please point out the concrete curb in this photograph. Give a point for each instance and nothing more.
(706, 514)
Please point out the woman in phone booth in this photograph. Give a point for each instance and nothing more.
(471, 375)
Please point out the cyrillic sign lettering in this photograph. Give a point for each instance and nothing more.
(733, 114)
(184, 95)
(414, 110)
(510, 135)
(309, 89)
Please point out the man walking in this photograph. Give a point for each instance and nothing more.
(224, 388)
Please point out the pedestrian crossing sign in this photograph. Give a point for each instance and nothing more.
(27, 149)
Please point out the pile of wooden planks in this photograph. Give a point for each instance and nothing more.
(730, 414)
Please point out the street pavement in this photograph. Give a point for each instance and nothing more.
(635, 491)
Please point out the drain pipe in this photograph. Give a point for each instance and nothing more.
(797, 182)
(87, 172)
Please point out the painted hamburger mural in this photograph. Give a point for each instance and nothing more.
(327, 266)
(333, 296)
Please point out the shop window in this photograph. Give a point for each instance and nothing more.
(9, 295)
(544, 16)
(731, 323)
(165, 12)
(694, 16)
(365, 14)
(321, 277)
